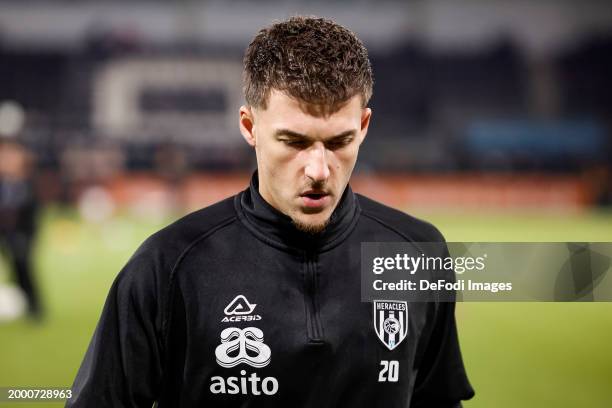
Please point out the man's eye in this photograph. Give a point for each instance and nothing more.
(338, 144)
(295, 143)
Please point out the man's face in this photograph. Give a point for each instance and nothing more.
(304, 160)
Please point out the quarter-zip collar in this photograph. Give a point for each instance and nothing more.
(276, 228)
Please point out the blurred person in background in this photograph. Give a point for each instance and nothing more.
(18, 208)
(256, 301)
(171, 166)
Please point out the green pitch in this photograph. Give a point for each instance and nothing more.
(517, 354)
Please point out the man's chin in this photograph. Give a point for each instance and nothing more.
(310, 226)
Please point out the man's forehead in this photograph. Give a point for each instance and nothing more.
(278, 100)
(306, 125)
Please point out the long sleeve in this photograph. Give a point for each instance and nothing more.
(123, 364)
(441, 380)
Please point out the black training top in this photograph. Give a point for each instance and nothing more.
(232, 306)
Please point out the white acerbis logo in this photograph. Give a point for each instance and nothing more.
(239, 306)
(239, 310)
(234, 339)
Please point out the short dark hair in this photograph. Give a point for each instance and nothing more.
(314, 60)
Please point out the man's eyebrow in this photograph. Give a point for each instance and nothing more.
(291, 133)
(344, 134)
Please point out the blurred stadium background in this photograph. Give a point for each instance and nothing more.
(491, 119)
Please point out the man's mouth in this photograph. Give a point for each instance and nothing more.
(314, 194)
(315, 198)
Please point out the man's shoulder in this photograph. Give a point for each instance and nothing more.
(192, 227)
(406, 225)
(153, 263)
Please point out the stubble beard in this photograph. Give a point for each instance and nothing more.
(310, 228)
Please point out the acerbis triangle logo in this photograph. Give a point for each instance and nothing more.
(239, 306)
(240, 309)
(391, 321)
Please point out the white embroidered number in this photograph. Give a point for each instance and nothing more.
(389, 371)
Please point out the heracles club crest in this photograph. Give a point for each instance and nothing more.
(391, 321)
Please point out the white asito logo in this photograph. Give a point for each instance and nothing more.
(239, 310)
(242, 346)
(235, 343)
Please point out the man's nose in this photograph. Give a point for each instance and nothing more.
(317, 167)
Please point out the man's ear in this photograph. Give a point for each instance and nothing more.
(247, 125)
(366, 115)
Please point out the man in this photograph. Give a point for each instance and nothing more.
(18, 210)
(255, 301)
